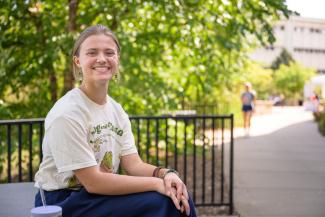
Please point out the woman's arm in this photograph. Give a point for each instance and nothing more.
(104, 183)
(134, 166)
(174, 186)
(98, 182)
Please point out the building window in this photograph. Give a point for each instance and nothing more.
(315, 30)
(298, 29)
(309, 50)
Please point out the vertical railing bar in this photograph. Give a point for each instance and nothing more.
(30, 146)
(213, 160)
(222, 159)
(9, 152)
(156, 141)
(203, 164)
(20, 152)
(194, 160)
(148, 140)
(219, 155)
(175, 146)
(185, 150)
(2, 150)
(40, 141)
(166, 140)
(231, 180)
(138, 136)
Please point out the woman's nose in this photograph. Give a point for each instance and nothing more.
(101, 57)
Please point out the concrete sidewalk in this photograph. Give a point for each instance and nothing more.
(280, 168)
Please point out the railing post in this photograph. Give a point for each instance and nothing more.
(9, 152)
(231, 180)
(20, 152)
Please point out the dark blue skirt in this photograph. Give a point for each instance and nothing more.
(83, 204)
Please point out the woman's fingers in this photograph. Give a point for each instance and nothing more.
(175, 201)
(185, 205)
(179, 189)
(185, 192)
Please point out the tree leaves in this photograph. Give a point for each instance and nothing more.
(172, 51)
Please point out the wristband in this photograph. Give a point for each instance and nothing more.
(156, 171)
(170, 171)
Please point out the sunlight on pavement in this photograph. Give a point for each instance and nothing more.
(279, 118)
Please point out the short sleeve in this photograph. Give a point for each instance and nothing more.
(127, 140)
(67, 140)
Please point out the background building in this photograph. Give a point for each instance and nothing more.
(304, 39)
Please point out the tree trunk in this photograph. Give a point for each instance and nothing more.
(53, 85)
(72, 26)
(51, 72)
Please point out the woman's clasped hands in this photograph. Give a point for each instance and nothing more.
(174, 188)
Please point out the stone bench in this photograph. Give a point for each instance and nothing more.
(17, 199)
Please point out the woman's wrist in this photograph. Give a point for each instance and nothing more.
(160, 172)
(163, 172)
(168, 171)
(159, 186)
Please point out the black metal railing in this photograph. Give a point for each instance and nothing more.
(200, 147)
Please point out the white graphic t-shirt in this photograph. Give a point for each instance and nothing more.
(80, 133)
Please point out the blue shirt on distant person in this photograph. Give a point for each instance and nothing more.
(248, 101)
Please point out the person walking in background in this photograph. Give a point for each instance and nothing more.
(314, 99)
(248, 99)
(88, 135)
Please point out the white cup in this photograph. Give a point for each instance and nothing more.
(47, 211)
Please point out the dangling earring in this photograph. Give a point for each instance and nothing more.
(80, 75)
(116, 77)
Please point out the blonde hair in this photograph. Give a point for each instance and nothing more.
(91, 30)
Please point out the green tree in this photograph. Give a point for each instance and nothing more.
(284, 58)
(172, 51)
(290, 80)
(261, 79)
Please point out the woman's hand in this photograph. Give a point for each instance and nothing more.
(161, 188)
(176, 189)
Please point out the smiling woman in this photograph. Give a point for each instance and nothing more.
(98, 61)
(88, 135)
(95, 60)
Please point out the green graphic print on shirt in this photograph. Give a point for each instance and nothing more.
(103, 139)
(107, 161)
(98, 129)
(73, 183)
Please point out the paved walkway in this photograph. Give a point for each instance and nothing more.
(280, 168)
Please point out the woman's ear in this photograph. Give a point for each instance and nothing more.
(76, 61)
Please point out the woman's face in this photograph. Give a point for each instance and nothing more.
(98, 59)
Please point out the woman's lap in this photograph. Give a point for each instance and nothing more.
(82, 204)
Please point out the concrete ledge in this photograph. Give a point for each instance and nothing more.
(17, 199)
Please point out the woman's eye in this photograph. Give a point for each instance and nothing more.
(91, 53)
(110, 54)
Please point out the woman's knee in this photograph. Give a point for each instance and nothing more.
(157, 200)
